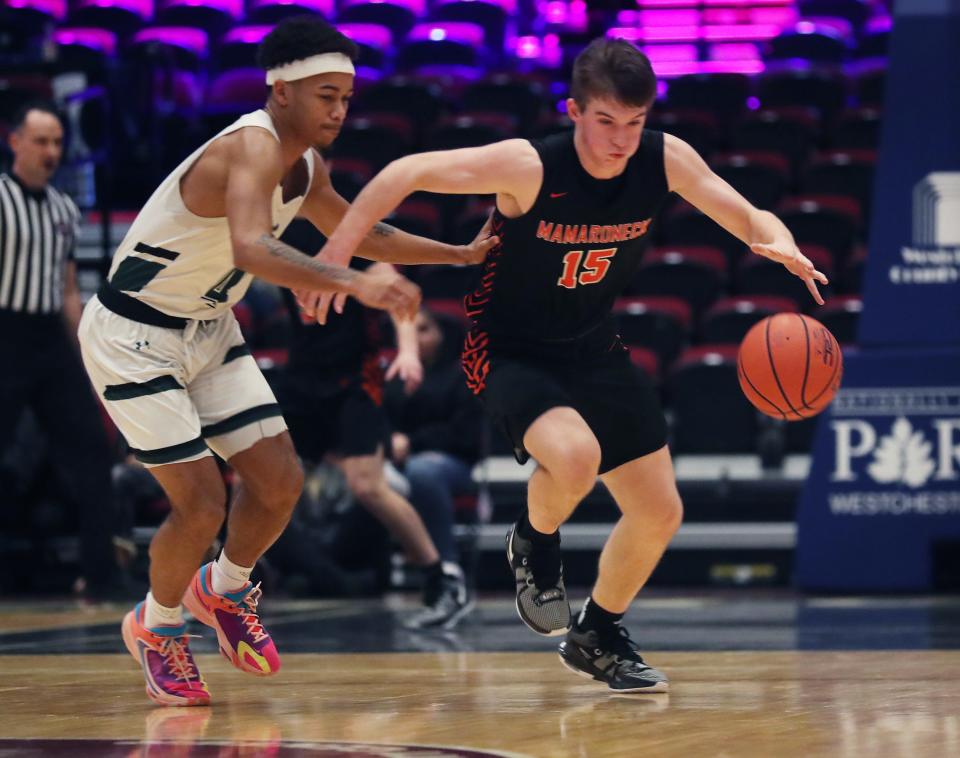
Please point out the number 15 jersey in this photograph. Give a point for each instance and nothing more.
(559, 266)
(182, 264)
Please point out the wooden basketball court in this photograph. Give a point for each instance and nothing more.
(469, 699)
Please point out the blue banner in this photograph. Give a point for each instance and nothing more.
(884, 485)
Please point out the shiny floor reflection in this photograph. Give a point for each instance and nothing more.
(769, 674)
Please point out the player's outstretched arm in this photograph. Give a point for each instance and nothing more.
(503, 168)
(324, 207)
(690, 177)
(249, 188)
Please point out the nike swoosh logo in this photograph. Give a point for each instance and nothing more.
(557, 194)
(244, 649)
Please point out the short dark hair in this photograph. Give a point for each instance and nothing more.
(616, 69)
(20, 116)
(300, 37)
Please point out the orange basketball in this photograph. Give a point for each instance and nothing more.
(789, 366)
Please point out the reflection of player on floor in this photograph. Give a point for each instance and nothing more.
(331, 394)
(543, 354)
(164, 351)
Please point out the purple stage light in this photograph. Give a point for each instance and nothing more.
(753, 103)
(56, 9)
(670, 53)
(417, 7)
(233, 8)
(194, 40)
(247, 35)
(734, 32)
(372, 35)
(453, 31)
(734, 51)
(323, 7)
(96, 39)
(141, 8)
(879, 24)
(509, 6)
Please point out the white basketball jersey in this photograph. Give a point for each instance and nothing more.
(181, 263)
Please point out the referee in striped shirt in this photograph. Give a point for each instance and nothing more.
(39, 314)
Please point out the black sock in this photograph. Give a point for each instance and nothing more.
(594, 617)
(433, 572)
(529, 533)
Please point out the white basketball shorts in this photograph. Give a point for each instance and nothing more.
(177, 394)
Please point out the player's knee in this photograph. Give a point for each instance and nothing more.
(279, 488)
(367, 487)
(669, 514)
(204, 514)
(575, 469)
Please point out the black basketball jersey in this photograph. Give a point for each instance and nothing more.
(555, 274)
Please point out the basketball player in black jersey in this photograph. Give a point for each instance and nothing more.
(572, 214)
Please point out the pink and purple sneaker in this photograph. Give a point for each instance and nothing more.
(163, 653)
(243, 640)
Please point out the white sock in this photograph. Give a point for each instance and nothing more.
(226, 576)
(155, 614)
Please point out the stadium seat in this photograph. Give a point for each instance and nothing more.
(181, 47)
(418, 216)
(470, 131)
(842, 172)
(398, 16)
(420, 102)
(646, 360)
(684, 225)
(85, 49)
(446, 281)
(855, 11)
(791, 132)
(851, 273)
(372, 139)
(857, 129)
(757, 275)
(729, 319)
(710, 413)
(869, 85)
(761, 177)
(374, 41)
(524, 101)
(817, 43)
(273, 11)
(791, 87)
(722, 94)
(238, 48)
(122, 17)
(698, 127)
(212, 16)
(442, 44)
(661, 324)
(694, 274)
(490, 15)
(830, 221)
(840, 315)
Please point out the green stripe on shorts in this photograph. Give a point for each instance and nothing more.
(171, 454)
(136, 389)
(239, 420)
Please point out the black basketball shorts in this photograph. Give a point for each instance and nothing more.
(615, 398)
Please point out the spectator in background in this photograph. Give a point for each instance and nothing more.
(331, 395)
(39, 313)
(436, 441)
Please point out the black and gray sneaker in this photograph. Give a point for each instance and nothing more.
(541, 596)
(445, 599)
(610, 657)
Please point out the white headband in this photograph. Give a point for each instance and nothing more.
(326, 63)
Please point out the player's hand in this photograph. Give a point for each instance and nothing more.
(387, 290)
(787, 253)
(409, 369)
(483, 243)
(400, 447)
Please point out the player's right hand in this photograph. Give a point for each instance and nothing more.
(386, 289)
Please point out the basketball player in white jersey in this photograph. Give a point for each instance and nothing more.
(165, 353)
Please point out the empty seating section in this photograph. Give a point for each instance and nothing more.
(782, 98)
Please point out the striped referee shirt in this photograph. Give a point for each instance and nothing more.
(37, 234)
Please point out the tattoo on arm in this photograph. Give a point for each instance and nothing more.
(292, 255)
(381, 229)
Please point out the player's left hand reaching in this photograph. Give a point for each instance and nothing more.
(483, 243)
(409, 369)
(787, 253)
